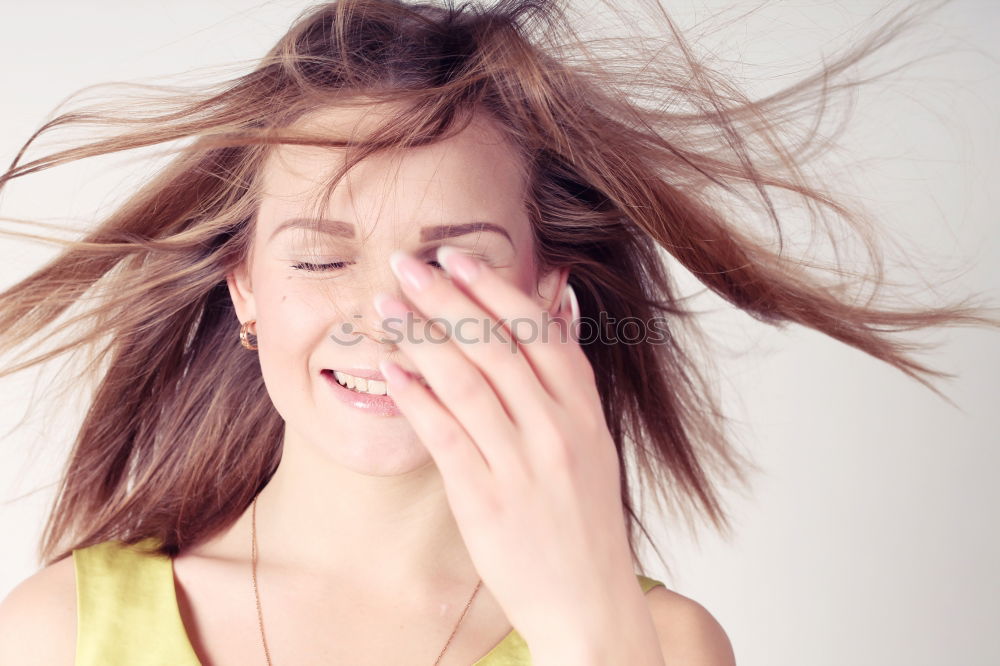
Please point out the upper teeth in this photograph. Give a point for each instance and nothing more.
(361, 384)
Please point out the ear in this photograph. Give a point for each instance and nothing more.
(241, 292)
(550, 289)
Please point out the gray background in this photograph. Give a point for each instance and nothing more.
(871, 536)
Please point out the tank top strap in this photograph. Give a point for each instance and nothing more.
(127, 609)
(647, 583)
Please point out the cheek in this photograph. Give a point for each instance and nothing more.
(290, 328)
(291, 317)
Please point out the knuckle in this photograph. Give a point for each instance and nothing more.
(558, 448)
(562, 456)
(491, 506)
(451, 438)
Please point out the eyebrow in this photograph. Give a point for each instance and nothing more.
(429, 233)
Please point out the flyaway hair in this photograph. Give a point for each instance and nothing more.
(640, 158)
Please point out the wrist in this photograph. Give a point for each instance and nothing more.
(613, 627)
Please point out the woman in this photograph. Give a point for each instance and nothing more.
(240, 492)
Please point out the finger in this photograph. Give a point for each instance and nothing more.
(550, 347)
(479, 336)
(463, 467)
(458, 386)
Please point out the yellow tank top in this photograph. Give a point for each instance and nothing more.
(127, 612)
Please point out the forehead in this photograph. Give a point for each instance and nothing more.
(474, 174)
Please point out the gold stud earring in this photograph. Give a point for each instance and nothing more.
(244, 334)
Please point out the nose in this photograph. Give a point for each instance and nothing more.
(357, 304)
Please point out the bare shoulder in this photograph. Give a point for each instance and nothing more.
(38, 618)
(689, 634)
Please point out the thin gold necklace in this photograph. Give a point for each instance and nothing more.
(260, 616)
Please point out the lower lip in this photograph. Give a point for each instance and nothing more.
(380, 405)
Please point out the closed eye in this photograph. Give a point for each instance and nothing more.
(319, 267)
(335, 265)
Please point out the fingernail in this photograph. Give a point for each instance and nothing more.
(458, 263)
(396, 377)
(411, 271)
(570, 304)
(389, 306)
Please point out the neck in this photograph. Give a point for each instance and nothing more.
(395, 532)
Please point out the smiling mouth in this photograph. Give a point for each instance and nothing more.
(373, 385)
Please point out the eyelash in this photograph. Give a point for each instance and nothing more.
(333, 266)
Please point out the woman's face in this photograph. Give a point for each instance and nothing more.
(312, 318)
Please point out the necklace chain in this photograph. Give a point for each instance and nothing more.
(260, 616)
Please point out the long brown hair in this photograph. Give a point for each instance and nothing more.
(633, 151)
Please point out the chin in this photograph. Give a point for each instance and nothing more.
(389, 452)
